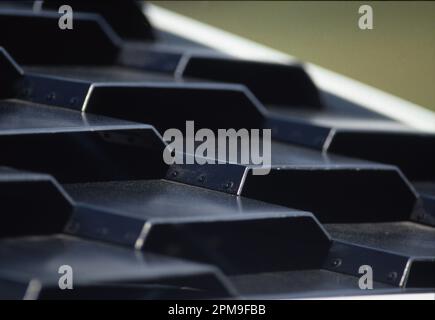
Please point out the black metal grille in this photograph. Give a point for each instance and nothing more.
(83, 183)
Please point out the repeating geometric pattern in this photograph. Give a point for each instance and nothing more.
(83, 182)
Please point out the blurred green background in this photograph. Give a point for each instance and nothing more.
(397, 56)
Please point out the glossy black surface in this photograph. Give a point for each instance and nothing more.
(97, 264)
(188, 222)
(405, 238)
(31, 204)
(85, 108)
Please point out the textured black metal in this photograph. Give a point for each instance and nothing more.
(268, 81)
(81, 153)
(172, 219)
(359, 193)
(126, 18)
(103, 270)
(372, 139)
(49, 44)
(347, 187)
(31, 204)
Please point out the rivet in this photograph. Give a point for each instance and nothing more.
(201, 179)
(51, 96)
(73, 227)
(73, 101)
(229, 185)
(336, 263)
(174, 173)
(103, 231)
(25, 92)
(130, 236)
(392, 276)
